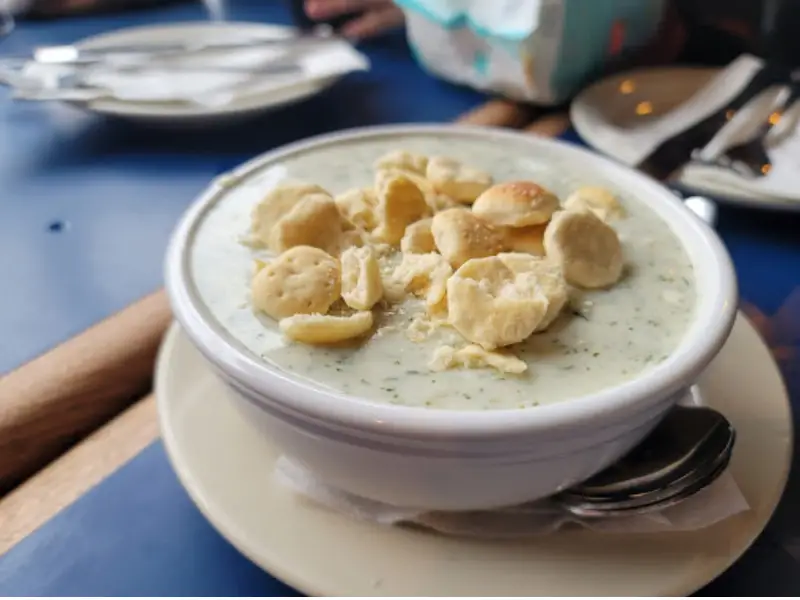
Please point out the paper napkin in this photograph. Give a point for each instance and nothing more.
(719, 501)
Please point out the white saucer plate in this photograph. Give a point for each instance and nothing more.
(617, 102)
(179, 112)
(226, 466)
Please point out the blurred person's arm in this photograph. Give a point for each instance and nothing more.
(369, 17)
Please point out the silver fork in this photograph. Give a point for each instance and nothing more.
(73, 86)
(750, 158)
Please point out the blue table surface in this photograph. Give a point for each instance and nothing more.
(87, 207)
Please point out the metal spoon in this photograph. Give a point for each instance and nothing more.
(687, 451)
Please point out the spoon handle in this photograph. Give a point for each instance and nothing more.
(644, 505)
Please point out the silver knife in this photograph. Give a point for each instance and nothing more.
(71, 55)
(674, 152)
(73, 87)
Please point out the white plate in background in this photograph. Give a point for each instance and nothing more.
(248, 105)
(629, 100)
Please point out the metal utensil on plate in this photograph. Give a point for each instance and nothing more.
(75, 55)
(750, 158)
(686, 452)
(276, 68)
(73, 85)
(673, 153)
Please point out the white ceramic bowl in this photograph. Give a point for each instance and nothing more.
(462, 460)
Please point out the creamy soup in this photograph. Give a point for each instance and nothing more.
(602, 338)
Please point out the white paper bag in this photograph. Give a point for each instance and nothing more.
(540, 51)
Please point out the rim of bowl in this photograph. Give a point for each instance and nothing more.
(715, 311)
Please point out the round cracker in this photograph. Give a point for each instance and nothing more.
(302, 280)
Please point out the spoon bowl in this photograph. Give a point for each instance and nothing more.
(684, 454)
